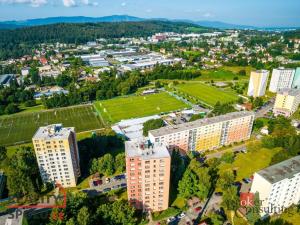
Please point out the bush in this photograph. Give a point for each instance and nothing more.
(30, 103)
(165, 214)
(12, 108)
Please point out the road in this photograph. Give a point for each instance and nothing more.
(234, 149)
(265, 109)
(96, 190)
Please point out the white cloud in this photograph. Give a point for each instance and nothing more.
(123, 4)
(208, 15)
(33, 3)
(69, 3)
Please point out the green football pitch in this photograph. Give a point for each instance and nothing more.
(207, 94)
(20, 128)
(117, 109)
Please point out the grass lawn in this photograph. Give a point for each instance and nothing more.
(254, 160)
(205, 93)
(20, 128)
(290, 215)
(138, 106)
(179, 203)
(224, 74)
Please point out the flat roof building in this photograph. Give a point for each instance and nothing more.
(281, 78)
(258, 83)
(287, 102)
(206, 134)
(148, 175)
(57, 154)
(278, 186)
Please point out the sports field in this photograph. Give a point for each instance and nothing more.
(207, 94)
(138, 106)
(21, 127)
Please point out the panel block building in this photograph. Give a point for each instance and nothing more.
(148, 175)
(258, 83)
(278, 186)
(57, 154)
(281, 78)
(296, 81)
(287, 102)
(206, 134)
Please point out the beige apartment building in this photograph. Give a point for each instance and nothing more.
(287, 102)
(258, 83)
(57, 154)
(206, 134)
(148, 175)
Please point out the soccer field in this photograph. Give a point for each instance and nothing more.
(21, 128)
(138, 106)
(207, 94)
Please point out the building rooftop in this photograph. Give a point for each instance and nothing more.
(198, 123)
(289, 91)
(146, 150)
(53, 131)
(282, 170)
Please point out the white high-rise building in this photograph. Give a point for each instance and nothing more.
(281, 78)
(258, 83)
(57, 154)
(278, 186)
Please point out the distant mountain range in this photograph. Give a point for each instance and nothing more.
(124, 18)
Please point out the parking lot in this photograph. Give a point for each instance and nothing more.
(103, 185)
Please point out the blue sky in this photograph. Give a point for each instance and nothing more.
(248, 12)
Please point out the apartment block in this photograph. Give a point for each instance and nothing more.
(296, 81)
(258, 83)
(57, 154)
(287, 102)
(278, 186)
(206, 134)
(281, 78)
(148, 175)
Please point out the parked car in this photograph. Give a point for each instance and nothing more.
(107, 190)
(181, 215)
(116, 187)
(218, 194)
(124, 185)
(247, 180)
(107, 180)
(198, 209)
(171, 219)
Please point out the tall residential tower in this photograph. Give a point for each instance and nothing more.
(258, 83)
(57, 154)
(281, 78)
(148, 175)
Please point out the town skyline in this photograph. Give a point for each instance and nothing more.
(281, 13)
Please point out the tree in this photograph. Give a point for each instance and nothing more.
(83, 217)
(75, 201)
(228, 157)
(71, 221)
(216, 219)
(63, 80)
(226, 179)
(12, 108)
(258, 123)
(253, 211)
(186, 186)
(23, 177)
(34, 75)
(120, 163)
(230, 199)
(152, 125)
(196, 117)
(240, 100)
(221, 109)
(104, 165)
(3, 153)
(118, 212)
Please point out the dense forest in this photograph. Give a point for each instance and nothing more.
(18, 42)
